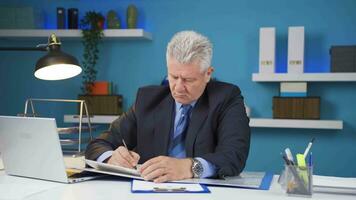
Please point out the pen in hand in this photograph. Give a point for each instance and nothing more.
(123, 141)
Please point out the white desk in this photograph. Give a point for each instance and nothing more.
(120, 190)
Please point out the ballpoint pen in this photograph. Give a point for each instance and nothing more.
(308, 147)
(123, 141)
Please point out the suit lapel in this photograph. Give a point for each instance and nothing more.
(199, 114)
(163, 123)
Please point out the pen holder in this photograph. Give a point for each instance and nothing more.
(297, 181)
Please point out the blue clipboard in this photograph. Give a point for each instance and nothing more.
(266, 181)
(171, 190)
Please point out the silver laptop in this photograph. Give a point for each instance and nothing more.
(30, 147)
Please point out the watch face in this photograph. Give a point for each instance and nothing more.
(197, 168)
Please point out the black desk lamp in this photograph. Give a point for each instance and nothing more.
(56, 65)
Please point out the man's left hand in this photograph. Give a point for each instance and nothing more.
(162, 168)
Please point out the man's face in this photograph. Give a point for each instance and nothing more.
(186, 81)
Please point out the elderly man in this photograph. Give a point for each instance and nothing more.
(193, 128)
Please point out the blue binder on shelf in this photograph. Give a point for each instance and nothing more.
(141, 186)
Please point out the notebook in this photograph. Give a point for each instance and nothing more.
(30, 147)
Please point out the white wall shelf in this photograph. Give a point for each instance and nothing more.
(306, 77)
(254, 122)
(296, 123)
(73, 34)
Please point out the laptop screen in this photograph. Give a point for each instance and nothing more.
(30, 147)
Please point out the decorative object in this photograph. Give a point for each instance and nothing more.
(101, 88)
(131, 16)
(56, 65)
(73, 18)
(112, 20)
(61, 18)
(92, 31)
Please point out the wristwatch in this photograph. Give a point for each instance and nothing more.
(197, 168)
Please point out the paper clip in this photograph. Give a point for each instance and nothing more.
(169, 189)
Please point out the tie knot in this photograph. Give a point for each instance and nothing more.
(186, 109)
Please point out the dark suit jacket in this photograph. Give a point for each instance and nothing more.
(218, 130)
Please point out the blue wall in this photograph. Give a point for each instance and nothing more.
(233, 27)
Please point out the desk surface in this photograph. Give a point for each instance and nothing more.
(114, 188)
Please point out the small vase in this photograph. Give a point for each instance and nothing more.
(131, 16)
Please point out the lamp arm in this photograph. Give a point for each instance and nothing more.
(38, 48)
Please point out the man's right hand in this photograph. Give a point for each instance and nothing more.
(123, 157)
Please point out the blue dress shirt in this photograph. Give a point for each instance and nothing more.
(209, 168)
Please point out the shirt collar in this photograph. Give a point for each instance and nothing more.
(179, 105)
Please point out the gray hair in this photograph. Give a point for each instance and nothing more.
(188, 47)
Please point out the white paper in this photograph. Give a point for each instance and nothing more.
(334, 182)
(138, 185)
(112, 168)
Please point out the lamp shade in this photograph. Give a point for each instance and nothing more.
(56, 65)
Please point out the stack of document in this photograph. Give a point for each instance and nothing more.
(331, 184)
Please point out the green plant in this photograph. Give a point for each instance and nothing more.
(92, 32)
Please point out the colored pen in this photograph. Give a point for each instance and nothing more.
(310, 159)
(308, 147)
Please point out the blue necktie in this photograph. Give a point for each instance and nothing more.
(177, 144)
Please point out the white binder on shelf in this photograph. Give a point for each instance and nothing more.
(296, 49)
(267, 50)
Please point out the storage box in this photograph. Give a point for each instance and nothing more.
(293, 89)
(343, 58)
(296, 107)
(24, 17)
(103, 104)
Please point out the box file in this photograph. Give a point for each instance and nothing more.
(267, 50)
(296, 49)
